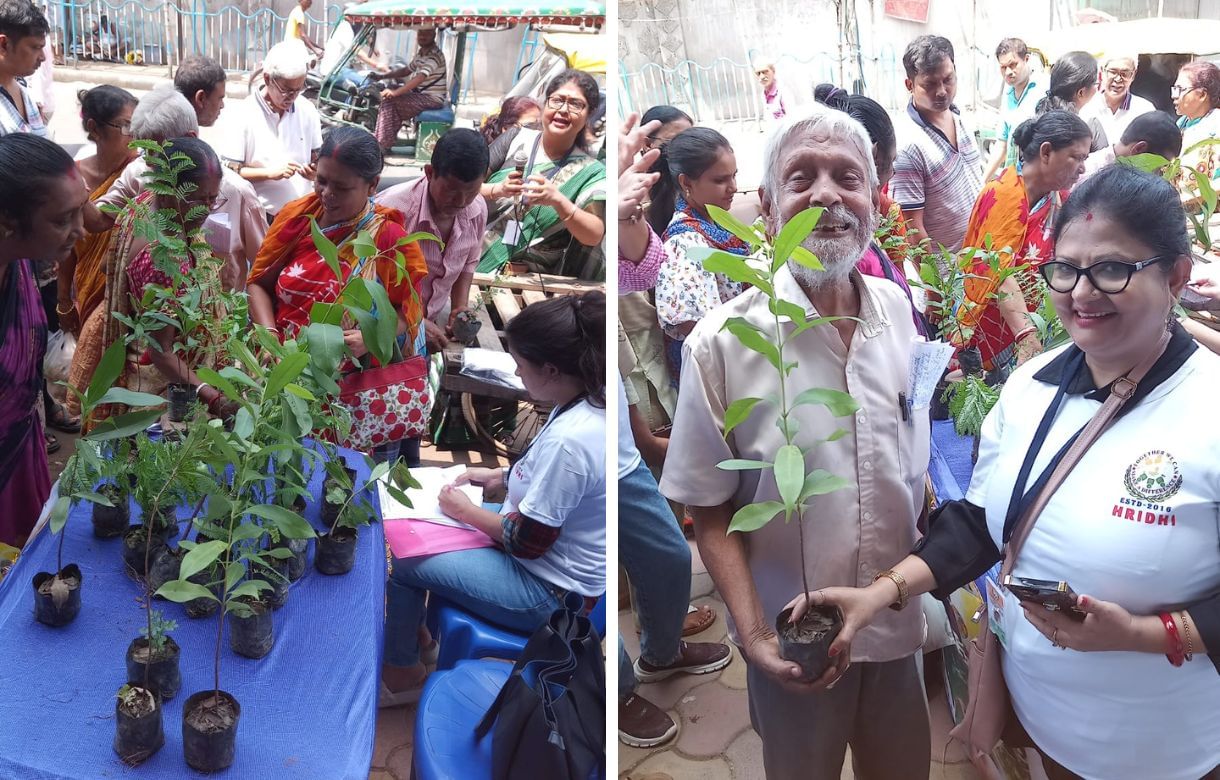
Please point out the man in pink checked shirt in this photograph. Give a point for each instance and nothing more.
(446, 203)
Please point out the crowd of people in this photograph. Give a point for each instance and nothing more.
(75, 255)
(1095, 696)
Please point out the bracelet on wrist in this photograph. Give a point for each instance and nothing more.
(1026, 331)
(1176, 651)
(1189, 653)
(900, 582)
(65, 311)
(569, 216)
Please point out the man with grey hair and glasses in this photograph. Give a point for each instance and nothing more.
(872, 700)
(1115, 105)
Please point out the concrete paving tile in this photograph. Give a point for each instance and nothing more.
(630, 757)
(745, 756)
(392, 732)
(399, 763)
(712, 716)
(682, 768)
(701, 585)
(734, 675)
(667, 693)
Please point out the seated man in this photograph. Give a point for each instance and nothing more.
(445, 202)
(1152, 133)
(425, 89)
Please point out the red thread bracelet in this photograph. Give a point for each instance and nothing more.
(1177, 651)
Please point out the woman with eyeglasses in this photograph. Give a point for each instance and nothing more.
(273, 139)
(106, 115)
(1124, 686)
(1196, 95)
(132, 273)
(547, 195)
(1017, 211)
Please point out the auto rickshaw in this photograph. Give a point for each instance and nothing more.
(342, 102)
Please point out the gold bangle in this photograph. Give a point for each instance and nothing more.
(574, 210)
(1190, 645)
(900, 582)
(62, 313)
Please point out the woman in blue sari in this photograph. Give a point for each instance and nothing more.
(42, 199)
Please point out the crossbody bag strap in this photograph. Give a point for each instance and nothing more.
(1122, 389)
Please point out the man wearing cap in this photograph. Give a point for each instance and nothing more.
(424, 90)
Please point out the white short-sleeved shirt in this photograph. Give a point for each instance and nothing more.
(259, 137)
(1115, 122)
(561, 482)
(336, 46)
(1136, 523)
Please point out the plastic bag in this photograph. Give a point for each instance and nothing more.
(61, 346)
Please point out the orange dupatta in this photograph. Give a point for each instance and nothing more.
(90, 276)
(1001, 212)
(291, 226)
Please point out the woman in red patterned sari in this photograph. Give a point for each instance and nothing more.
(1017, 211)
(289, 275)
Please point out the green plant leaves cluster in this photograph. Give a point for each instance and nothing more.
(790, 320)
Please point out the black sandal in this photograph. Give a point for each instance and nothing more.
(53, 444)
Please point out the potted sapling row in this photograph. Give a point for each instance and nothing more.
(57, 596)
(139, 731)
(806, 641)
(336, 549)
(152, 657)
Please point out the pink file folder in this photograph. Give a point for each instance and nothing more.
(416, 538)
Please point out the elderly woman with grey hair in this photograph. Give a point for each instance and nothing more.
(816, 158)
(274, 139)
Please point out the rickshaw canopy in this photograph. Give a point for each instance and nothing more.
(584, 52)
(411, 13)
(1198, 37)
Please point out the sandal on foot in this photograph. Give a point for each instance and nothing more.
(59, 419)
(53, 444)
(698, 619)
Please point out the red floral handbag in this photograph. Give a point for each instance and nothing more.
(387, 403)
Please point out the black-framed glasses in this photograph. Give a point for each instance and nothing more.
(122, 127)
(1176, 92)
(1109, 276)
(559, 102)
(284, 90)
(1115, 73)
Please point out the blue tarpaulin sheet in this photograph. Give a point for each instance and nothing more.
(950, 466)
(308, 709)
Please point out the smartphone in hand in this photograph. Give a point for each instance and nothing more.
(1052, 595)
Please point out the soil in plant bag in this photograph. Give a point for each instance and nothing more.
(335, 553)
(138, 729)
(209, 731)
(252, 636)
(180, 398)
(136, 552)
(466, 327)
(164, 675)
(110, 522)
(807, 643)
(57, 596)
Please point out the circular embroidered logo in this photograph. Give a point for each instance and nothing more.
(1154, 477)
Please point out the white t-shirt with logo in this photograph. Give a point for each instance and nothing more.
(1136, 523)
(561, 482)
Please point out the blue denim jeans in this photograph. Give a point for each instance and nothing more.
(487, 582)
(657, 558)
(407, 448)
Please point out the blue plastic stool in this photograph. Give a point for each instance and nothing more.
(452, 704)
(442, 116)
(465, 636)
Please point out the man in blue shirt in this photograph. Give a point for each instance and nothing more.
(1021, 95)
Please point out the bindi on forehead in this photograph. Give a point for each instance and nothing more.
(1088, 217)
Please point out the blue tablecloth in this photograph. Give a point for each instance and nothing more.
(308, 709)
(950, 466)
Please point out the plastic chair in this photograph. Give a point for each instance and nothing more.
(465, 636)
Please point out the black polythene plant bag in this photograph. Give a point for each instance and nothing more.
(550, 716)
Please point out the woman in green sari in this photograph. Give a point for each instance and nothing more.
(547, 196)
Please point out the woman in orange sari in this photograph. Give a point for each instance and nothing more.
(289, 275)
(1016, 211)
(106, 114)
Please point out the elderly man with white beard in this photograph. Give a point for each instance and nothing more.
(873, 700)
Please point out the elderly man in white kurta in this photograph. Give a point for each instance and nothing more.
(877, 703)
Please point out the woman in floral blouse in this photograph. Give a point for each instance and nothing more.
(701, 165)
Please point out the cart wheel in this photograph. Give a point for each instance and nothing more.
(506, 426)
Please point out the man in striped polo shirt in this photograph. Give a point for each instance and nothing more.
(938, 173)
(424, 90)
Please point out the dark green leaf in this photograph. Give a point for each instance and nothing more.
(289, 523)
(738, 412)
(107, 371)
(201, 557)
(96, 498)
(121, 395)
(326, 248)
(210, 377)
(751, 517)
(284, 372)
(796, 231)
(124, 425)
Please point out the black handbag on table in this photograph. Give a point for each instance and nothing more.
(550, 716)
